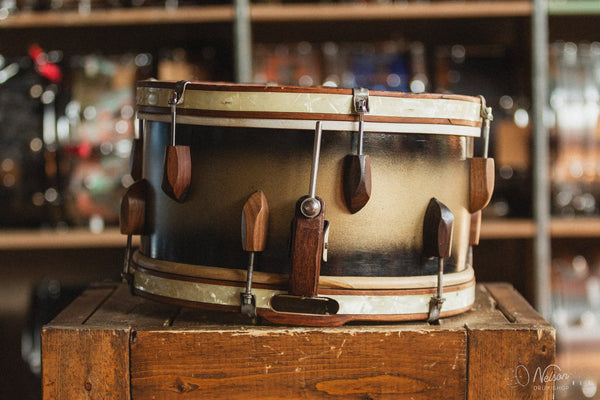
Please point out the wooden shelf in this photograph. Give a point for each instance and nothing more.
(575, 227)
(308, 12)
(120, 16)
(491, 229)
(524, 228)
(393, 11)
(77, 238)
(581, 7)
(507, 229)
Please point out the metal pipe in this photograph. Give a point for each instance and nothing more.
(242, 42)
(249, 275)
(541, 144)
(173, 121)
(361, 132)
(440, 277)
(314, 169)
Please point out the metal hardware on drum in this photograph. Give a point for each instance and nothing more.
(325, 240)
(176, 98)
(361, 106)
(177, 164)
(437, 242)
(357, 167)
(486, 114)
(310, 206)
(255, 220)
(308, 232)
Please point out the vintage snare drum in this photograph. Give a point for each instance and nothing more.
(311, 206)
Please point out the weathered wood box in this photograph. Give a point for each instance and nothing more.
(109, 344)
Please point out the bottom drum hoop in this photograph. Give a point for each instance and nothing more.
(162, 281)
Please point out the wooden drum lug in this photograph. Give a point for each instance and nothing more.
(481, 183)
(255, 221)
(132, 218)
(177, 173)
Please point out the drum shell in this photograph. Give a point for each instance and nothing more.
(229, 164)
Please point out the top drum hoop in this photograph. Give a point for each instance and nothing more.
(299, 108)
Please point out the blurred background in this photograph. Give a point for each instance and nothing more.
(67, 117)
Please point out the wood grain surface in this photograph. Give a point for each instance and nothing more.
(111, 345)
(299, 363)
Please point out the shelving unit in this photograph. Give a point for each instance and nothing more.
(78, 238)
(233, 27)
(559, 7)
(390, 11)
(119, 17)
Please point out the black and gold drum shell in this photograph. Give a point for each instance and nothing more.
(244, 138)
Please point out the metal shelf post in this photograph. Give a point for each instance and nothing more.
(242, 38)
(541, 151)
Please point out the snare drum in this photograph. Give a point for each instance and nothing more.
(309, 206)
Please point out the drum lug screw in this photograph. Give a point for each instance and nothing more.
(177, 164)
(437, 242)
(357, 167)
(255, 220)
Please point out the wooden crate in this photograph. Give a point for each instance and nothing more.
(109, 344)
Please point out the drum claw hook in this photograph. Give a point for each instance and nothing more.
(357, 167)
(177, 173)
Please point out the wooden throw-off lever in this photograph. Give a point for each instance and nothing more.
(255, 221)
(307, 247)
(307, 233)
(437, 242)
(357, 167)
(132, 218)
(177, 172)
